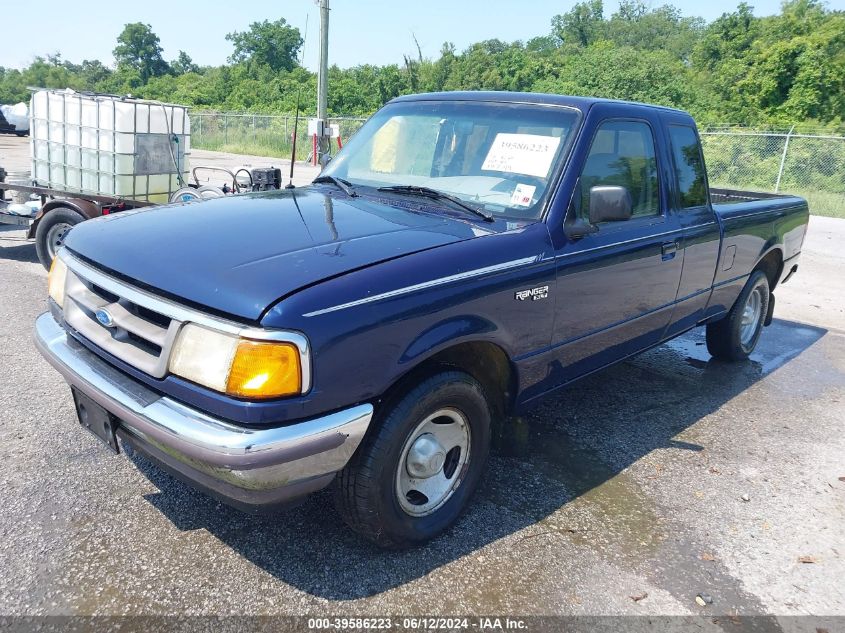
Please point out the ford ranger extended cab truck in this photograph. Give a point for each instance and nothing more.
(464, 255)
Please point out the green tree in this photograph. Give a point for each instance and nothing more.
(138, 48)
(605, 70)
(728, 37)
(183, 64)
(742, 69)
(582, 25)
(274, 44)
(662, 28)
(92, 72)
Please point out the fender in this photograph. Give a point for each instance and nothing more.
(85, 208)
(770, 248)
(771, 262)
(458, 329)
(472, 342)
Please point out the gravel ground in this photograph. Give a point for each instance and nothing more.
(665, 477)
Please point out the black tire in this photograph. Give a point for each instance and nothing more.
(725, 336)
(48, 234)
(366, 492)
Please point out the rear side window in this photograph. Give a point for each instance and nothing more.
(623, 154)
(689, 166)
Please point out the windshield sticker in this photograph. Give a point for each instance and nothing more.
(523, 195)
(529, 154)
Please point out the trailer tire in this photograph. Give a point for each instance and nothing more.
(185, 194)
(51, 232)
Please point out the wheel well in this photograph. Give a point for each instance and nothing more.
(85, 208)
(772, 266)
(484, 361)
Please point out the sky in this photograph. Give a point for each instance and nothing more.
(361, 31)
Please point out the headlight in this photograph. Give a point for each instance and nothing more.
(56, 281)
(237, 366)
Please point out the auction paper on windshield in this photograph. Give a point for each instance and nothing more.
(528, 154)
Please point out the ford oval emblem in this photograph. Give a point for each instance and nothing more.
(104, 318)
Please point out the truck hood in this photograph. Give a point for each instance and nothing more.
(238, 255)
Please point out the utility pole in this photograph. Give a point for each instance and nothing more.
(323, 80)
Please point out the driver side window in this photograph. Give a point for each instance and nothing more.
(622, 154)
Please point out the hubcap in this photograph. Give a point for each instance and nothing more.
(751, 315)
(426, 457)
(56, 237)
(433, 461)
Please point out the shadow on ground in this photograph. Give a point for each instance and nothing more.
(575, 445)
(17, 249)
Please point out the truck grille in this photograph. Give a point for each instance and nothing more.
(125, 328)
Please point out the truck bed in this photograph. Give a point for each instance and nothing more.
(733, 203)
(753, 223)
(735, 196)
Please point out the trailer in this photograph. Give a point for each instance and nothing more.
(59, 212)
(95, 154)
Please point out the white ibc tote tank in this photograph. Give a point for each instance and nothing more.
(106, 145)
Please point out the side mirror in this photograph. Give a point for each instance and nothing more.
(610, 203)
(324, 160)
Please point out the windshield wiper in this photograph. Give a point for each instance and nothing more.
(434, 194)
(345, 185)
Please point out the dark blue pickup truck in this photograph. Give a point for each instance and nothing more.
(464, 255)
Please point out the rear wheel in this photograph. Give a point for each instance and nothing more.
(51, 233)
(734, 337)
(418, 467)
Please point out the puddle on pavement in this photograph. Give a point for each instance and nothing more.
(779, 343)
(582, 498)
(567, 487)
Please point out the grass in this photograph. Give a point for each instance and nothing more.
(824, 203)
(258, 148)
(252, 149)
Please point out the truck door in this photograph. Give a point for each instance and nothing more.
(690, 202)
(616, 287)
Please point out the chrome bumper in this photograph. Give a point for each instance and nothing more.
(248, 468)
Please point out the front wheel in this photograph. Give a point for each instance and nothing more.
(51, 232)
(418, 467)
(735, 336)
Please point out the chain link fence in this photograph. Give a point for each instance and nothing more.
(259, 134)
(809, 165)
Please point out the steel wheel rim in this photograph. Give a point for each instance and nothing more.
(751, 315)
(56, 237)
(433, 462)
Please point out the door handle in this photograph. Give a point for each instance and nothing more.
(668, 250)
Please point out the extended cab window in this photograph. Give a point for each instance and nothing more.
(622, 154)
(689, 166)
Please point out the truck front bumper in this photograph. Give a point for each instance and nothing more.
(248, 468)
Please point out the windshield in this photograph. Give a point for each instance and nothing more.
(498, 156)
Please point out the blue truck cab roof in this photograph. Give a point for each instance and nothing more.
(534, 98)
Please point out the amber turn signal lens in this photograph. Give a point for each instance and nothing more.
(56, 281)
(265, 370)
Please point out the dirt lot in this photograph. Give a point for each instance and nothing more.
(665, 477)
